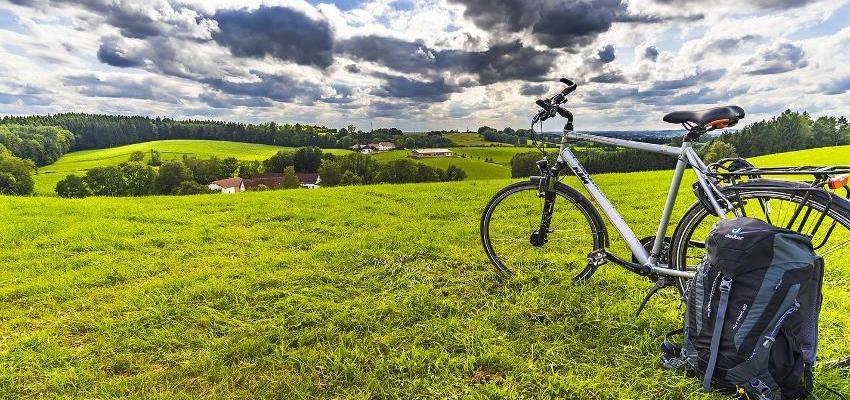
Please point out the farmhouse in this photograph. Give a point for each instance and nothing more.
(229, 185)
(419, 153)
(382, 146)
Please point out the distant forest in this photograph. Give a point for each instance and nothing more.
(95, 131)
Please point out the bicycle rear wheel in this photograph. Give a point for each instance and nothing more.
(823, 216)
(513, 216)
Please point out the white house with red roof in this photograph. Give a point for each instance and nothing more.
(229, 185)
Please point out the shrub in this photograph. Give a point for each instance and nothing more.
(16, 175)
(72, 187)
(106, 181)
(290, 180)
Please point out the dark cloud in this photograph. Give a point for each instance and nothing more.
(779, 58)
(698, 96)
(721, 46)
(280, 32)
(434, 91)
(501, 62)
(555, 23)
(609, 77)
(353, 68)
(532, 90)
(398, 110)
(137, 19)
(606, 54)
(217, 100)
(343, 95)
(650, 53)
(281, 88)
(838, 86)
(93, 86)
(698, 78)
(111, 52)
(25, 99)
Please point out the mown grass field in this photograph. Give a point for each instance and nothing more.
(355, 292)
(79, 162)
(471, 139)
(475, 169)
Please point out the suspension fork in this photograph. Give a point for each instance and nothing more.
(547, 192)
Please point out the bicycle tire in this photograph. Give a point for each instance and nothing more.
(594, 219)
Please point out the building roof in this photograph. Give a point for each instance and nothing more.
(432, 151)
(307, 178)
(228, 183)
(386, 144)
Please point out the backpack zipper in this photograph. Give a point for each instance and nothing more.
(769, 339)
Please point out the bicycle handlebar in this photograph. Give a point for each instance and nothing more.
(552, 105)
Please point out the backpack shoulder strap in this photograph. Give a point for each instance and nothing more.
(725, 288)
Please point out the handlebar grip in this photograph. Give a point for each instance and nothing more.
(543, 104)
(567, 82)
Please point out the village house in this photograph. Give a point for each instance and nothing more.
(419, 153)
(382, 146)
(228, 186)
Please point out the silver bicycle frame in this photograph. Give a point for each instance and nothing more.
(686, 157)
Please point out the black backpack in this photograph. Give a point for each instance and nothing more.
(752, 312)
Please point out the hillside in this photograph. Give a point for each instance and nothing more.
(837, 155)
(79, 161)
(356, 292)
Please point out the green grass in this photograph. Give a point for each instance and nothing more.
(836, 155)
(79, 162)
(475, 169)
(357, 292)
(471, 139)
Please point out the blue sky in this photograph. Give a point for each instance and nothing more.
(419, 65)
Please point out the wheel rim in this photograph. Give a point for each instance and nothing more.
(515, 215)
(778, 209)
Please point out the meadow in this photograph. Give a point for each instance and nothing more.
(79, 161)
(352, 292)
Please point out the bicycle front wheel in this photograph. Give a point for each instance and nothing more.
(821, 215)
(511, 223)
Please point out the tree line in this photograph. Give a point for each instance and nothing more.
(788, 131)
(519, 137)
(41, 144)
(360, 169)
(94, 131)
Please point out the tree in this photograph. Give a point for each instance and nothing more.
(719, 150)
(454, 173)
(409, 143)
(349, 178)
(307, 159)
(137, 156)
(331, 173)
(278, 162)
(156, 159)
(290, 180)
(249, 169)
(399, 171)
(171, 175)
(140, 178)
(17, 174)
(72, 187)
(228, 167)
(426, 173)
(106, 181)
(524, 164)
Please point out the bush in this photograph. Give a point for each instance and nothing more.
(156, 159)
(106, 181)
(16, 175)
(192, 187)
(171, 175)
(139, 177)
(137, 156)
(72, 187)
(350, 178)
(454, 173)
(290, 180)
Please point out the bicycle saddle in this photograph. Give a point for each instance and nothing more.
(730, 114)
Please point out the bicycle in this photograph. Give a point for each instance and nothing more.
(566, 229)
